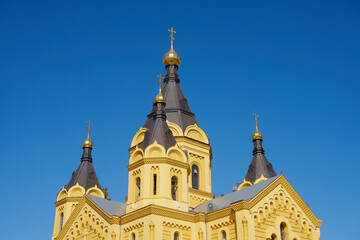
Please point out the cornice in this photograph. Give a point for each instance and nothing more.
(159, 160)
(67, 199)
(192, 141)
(164, 212)
(201, 192)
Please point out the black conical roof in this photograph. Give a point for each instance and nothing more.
(85, 174)
(259, 164)
(177, 108)
(157, 128)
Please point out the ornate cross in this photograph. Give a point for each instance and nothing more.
(172, 34)
(256, 121)
(88, 127)
(160, 77)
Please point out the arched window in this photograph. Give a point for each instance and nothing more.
(155, 183)
(174, 188)
(283, 231)
(210, 207)
(133, 237)
(138, 189)
(273, 237)
(176, 236)
(195, 176)
(61, 221)
(223, 235)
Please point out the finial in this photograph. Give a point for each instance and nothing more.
(172, 35)
(257, 134)
(256, 121)
(159, 97)
(88, 142)
(160, 78)
(171, 57)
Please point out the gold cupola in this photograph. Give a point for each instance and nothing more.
(171, 57)
(159, 97)
(88, 142)
(257, 134)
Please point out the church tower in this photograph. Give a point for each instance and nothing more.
(171, 135)
(83, 181)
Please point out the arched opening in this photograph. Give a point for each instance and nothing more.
(133, 237)
(61, 221)
(155, 183)
(195, 176)
(284, 232)
(273, 236)
(174, 188)
(176, 236)
(223, 235)
(210, 207)
(138, 189)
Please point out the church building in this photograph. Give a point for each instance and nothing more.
(169, 186)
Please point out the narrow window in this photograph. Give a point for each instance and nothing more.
(174, 187)
(195, 176)
(223, 234)
(155, 179)
(133, 237)
(273, 237)
(138, 189)
(283, 231)
(176, 236)
(61, 221)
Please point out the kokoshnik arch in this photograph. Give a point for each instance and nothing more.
(169, 186)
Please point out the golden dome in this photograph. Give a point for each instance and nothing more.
(159, 98)
(257, 135)
(171, 57)
(87, 143)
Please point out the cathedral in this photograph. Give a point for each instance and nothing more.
(169, 186)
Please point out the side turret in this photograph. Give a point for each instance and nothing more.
(83, 181)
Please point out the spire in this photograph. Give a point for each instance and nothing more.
(177, 109)
(259, 166)
(157, 128)
(85, 174)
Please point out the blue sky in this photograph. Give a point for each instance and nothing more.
(63, 63)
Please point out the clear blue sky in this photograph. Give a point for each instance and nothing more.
(66, 62)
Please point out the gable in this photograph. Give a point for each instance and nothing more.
(89, 220)
(280, 191)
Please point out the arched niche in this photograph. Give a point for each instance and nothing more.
(76, 191)
(136, 156)
(62, 194)
(244, 184)
(175, 129)
(138, 137)
(155, 150)
(194, 132)
(176, 154)
(95, 191)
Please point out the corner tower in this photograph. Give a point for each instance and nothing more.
(260, 168)
(185, 130)
(83, 181)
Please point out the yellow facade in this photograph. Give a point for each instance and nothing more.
(154, 209)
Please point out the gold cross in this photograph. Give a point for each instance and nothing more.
(172, 34)
(160, 77)
(256, 121)
(88, 127)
